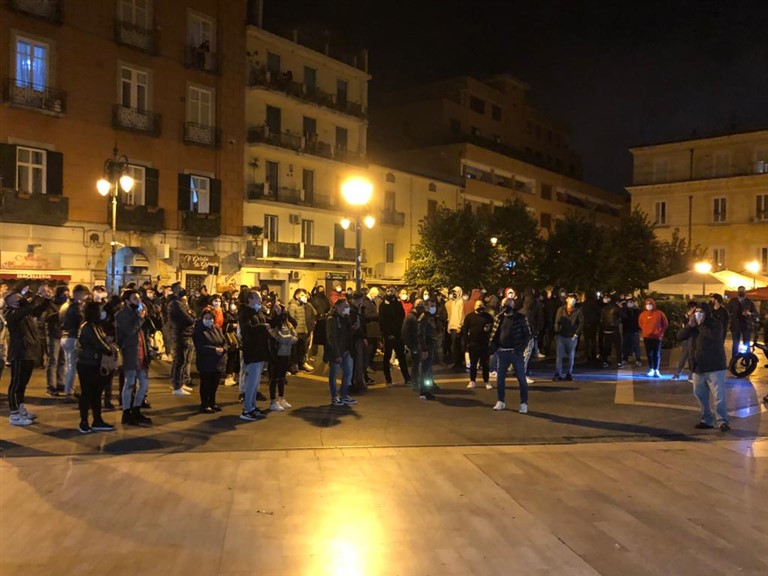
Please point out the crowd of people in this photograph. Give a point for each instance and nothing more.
(240, 336)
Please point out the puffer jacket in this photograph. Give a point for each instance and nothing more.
(93, 345)
(254, 332)
(207, 340)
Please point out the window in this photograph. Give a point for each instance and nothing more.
(476, 104)
(310, 79)
(134, 88)
(762, 257)
(273, 176)
(309, 126)
(761, 207)
(546, 220)
(341, 92)
(308, 182)
(431, 207)
(200, 106)
(546, 191)
(432, 187)
(660, 213)
(390, 197)
(389, 177)
(136, 196)
(308, 231)
(660, 170)
(389, 252)
(718, 213)
(761, 160)
(273, 63)
(274, 119)
(455, 126)
(270, 227)
(30, 170)
(496, 112)
(31, 63)
(338, 235)
(200, 194)
(134, 12)
(718, 258)
(721, 164)
(341, 139)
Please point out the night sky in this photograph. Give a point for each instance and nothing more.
(618, 73)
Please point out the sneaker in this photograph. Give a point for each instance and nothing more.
(275, 406)
(348, 401)
(488, 386)
(141, 420)
(26, 413)
(557, 378)
(389, 383)
(186, 388)
(724, 427)
(524, 408)
(656, 374)
(427, 396)
(540, 355)
(252, 416)
(84, 428)
(651, 373)
(675, 376)
(494, 374)
(230, 381)
(337, 402)
(52, 392)
(181, 392)
(471, 385)
(408, 383)
(606, 365)
(307, 367)
(207, 410)
(101, 426)
(620, 365)
(19, 420)
(569, 377)
(703, 426)
(284, 403)
(241, 397)
(530, 380)
(499, 405)
(638, 363)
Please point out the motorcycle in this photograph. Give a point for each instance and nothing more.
(746, 361)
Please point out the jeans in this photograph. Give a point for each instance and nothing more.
(131, 376)
(69, 345)
(704, 385)
(590, 341)
(457, 350)
(251, 378)
(479, 354)
(631, 345)
(91, 386)
(182, 362)
(653, 350)
(346, 375)
(54, 373)
(517, 360)
(394, 344)
(426, 379)
(740, 335)
(299, 351)
(685, 353)
(566, 348)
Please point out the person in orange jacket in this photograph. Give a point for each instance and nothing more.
(653, 324)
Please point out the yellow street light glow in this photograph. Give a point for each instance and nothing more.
(494, 240)
(345, 223)
(369, 221)
(103, 186)
(357, 191)
(703, 267)
(753, 267)
(126, 183)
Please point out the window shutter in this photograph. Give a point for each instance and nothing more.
(215, 196)
(151, 186)
(54, 173)
(8, 166)
(184, 192)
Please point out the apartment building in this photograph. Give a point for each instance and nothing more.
(160, 81)
(713, 191)
(485, 133)
(307, 119)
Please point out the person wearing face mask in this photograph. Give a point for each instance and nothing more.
(71, 319)
(409, 334)
(405, 301)
(133, 341)
(182, 324)
(709, 364)
(283, 339)
(210, 359)
(218, 312)
(685, 346)
(719, 312)
(336, 294)
(630, 331)
(338, 353)
(743, 313)
(590, 312)
(254, 332)
(230, 330)
(427, 335)
(569, 324)
(370, 310)
(610, 328)
(391, 316)
(476, 333)
(54, 373)
(510, 336)
(455, 309)
(3, 328)
(653, 324)
(303, 313)
(322, 306)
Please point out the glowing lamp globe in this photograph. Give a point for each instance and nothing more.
(753, 267)
(346, 223)
(126, 183)
(103, 186)
(357, 191)
(703, 267)
(369, 221)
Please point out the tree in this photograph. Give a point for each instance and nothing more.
(639, 253)
(519, 247)
(677, 256)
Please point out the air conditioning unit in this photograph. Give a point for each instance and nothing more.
(163, 251)
(294, 276)
(294, 218)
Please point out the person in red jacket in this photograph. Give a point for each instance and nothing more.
(653, 323)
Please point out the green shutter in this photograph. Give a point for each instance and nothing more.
(215, 196)
(184, 192)
(151, 187)
(8, 166)
(54, 173)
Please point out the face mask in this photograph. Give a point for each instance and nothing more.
(217, 304)
(257, 306)
(649, 307)
(208, 322)
(103, 315)
(403, 297)
(562, 294)
(150, 295)
(432, 310)
(630, 304)
(233, 307)
(570, 301)
(606, 300)
(303, 299)
(425, 296)
(480, 309)
(345, 311)
(62, 299)
(699, 317)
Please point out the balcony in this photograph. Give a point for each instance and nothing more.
(393, 218)
(137, 218)
(201, 58)
(283, 250)
(202, 135)
(46, 9)
(197, 224)
(35, 97)
(135, 120)
(262, 191)
(137, 36)
(297, 143)
(347, 254)
(27, 208)
(264, 249)
(312, 252)
(289, 140)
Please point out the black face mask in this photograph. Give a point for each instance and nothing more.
(742, 294)
(182, 293)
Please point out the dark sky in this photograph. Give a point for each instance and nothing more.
(620, 73)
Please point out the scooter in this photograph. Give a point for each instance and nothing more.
(746, 361)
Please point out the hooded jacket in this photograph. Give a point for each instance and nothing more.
(706, 343)
(476, 331)
(652, 323)
(455, 310)
(391, 316)
(320, 302)
(23, 334)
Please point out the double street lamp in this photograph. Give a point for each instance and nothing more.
(115, 178)
(357, 192)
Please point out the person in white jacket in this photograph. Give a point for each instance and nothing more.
(455, 309)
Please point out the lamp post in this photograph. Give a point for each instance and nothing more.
(115, 178)
(703, 268)
(753, 268)
(357, 193)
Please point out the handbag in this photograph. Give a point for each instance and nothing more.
(232, 340)
(110, 363)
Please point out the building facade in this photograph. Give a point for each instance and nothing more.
(162, 84)
(712, 191)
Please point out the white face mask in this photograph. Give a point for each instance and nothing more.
(345, 311)
(606, 300)
(217, 304)
(649, 307)
(233, 307)
(630, 304)
(403, 297)
(570, 301)
(432, 310)
(103, 315)
(208, 322)
(699, 317)
(257, 306)
(303, 299)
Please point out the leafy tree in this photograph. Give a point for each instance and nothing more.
(519, 247)
(638, 253)
(677, 256)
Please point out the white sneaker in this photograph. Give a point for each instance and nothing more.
(657, 374)
(26, 413)
(229, 381)
(180, 392)
(186, 388)
(523, 408)
(307, 367)
(488, 386)
(530, 380)
(471, 384)
(275, 407)
(494, 374)
(19, 419)
(499, 405)
(284, 403)
(651, 372)
(540, 355)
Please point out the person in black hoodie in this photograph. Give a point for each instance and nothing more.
(476, 333)
(211, 359)
(630, 330)
(391, 316)
(93, 345)
(254, 332)
(409, 334)
(54, 373)
(610, 328)
(182, 323)
(706, 340)
(72, 318)
(510, 336)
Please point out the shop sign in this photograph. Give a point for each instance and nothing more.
(29, 261)
(198, 262)
(336, 276)
(35, 276)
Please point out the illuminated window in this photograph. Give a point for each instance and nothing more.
(718, 258)
(200, 106)
(270, 227)
(30, 170)
(660, 213)
(308, 231)
(31, 64)
(200, 196)
(136, 196)
(719, 210)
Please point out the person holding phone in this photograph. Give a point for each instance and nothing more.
(132, 338)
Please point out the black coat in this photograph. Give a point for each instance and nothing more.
(93, 345)
(207, 340)
(391, 316)
(24, 339)
(254, 334)
(476, 330)
(181, 317)
(706, 345)
(338, 331)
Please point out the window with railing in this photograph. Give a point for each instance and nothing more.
(136, 195)
(201, 43)
(200, 196)
(719, 210)
(308, 231)
(270, 227)
(133, 25)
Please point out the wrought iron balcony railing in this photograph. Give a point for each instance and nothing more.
(139, 218)
(202, 135)
(136, 120)
(200, 58)
(198, 224)
(29, 208)
(130, 34)
(393, 218)
(47, 9)
(34, 96)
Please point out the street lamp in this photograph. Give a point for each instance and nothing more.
(115, 178)
(357, 192)
(494, 241)
(703, 268)
(753, 268)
